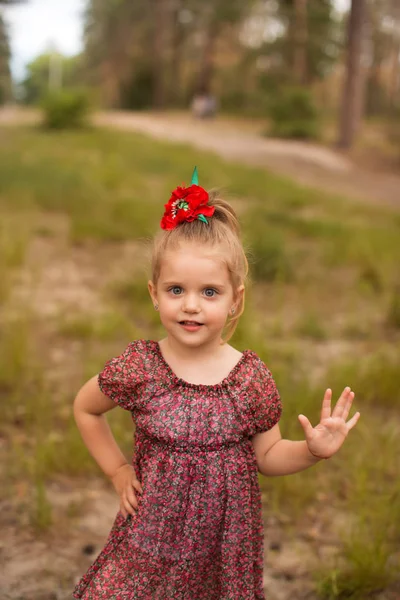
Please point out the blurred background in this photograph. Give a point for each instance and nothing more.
(291, 109)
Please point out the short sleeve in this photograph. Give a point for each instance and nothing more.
(265, 402)
(123, 376)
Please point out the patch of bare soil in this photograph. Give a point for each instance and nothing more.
(46, 567)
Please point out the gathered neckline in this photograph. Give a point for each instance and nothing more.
(200, 386)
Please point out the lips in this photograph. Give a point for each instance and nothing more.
(194, 323)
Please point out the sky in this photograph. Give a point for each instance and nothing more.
(37, 25)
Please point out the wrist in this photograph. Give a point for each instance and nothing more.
(116, 470)
(315, 457)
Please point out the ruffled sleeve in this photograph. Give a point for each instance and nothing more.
(123, 376)
(264, 399)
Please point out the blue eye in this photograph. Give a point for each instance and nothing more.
(176, 290)
(210, 292)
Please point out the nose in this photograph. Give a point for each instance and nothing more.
(190, 304)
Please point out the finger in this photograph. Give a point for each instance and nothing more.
(126, 498)
(353, 421)
(341, 403)
(326, 405)
(129, 509)
(123, 511)
(131, 497)
(306, 425)
(137, 486)
(347, 407)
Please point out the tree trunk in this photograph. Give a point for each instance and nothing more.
(394, 84)
(177, 43)
(207, 65)
(110, 85)
(300, 33)
(5, 73)
(159, 16)
(353, 90)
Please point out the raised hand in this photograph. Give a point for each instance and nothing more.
(126, 484)
(327, 437)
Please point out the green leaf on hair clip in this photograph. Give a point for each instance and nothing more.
(202, 218)
(195, 177)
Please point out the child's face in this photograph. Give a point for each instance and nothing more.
(195, 295)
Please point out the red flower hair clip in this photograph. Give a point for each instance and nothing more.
(187, 204)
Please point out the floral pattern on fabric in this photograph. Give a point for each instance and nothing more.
(198, 531)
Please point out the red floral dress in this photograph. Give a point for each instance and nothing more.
(198, 531)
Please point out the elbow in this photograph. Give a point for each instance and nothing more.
(265, 463)
(261, 467)
(78, 408)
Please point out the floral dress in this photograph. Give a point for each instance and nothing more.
(198, 530)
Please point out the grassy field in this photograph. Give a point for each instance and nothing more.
(323, 310)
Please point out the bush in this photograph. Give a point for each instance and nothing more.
(294, 115)
(66, 109)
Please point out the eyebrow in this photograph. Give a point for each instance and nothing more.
(205, 285)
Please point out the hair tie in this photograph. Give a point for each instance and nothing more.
(187, 204)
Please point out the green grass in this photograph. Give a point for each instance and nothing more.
(323, 311)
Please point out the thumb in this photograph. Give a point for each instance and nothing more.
(306, 425)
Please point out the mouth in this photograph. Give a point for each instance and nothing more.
(190, 323)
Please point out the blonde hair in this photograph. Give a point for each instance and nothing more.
(222, 230)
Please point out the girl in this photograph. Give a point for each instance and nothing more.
(190, 522)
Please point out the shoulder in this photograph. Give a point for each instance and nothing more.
(253, 362)
(255, 387)
(129, 374)
(139, 355)
(141, 349)
(254, 374)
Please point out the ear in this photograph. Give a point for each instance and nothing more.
(152, 291)
(239, 295)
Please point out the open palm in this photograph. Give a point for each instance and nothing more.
(328, 436)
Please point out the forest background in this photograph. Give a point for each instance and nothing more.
(77, 205)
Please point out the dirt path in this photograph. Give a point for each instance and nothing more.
(239, 140)
(306, 163)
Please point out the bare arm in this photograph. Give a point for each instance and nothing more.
(89, 406)
(276, 456)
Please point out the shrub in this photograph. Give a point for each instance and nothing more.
(66, 109)
(294, 115)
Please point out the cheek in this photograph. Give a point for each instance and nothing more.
(220, 310)
(168, 305)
